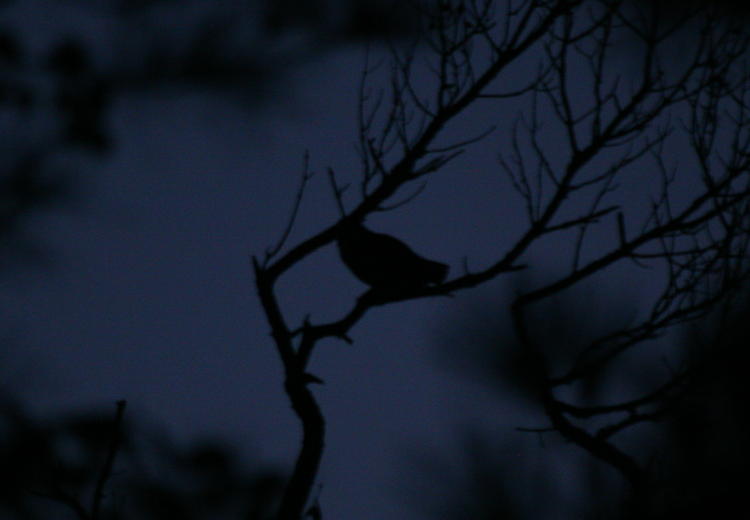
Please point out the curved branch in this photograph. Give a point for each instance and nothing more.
(596, 446)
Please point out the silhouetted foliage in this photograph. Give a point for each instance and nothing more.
(343, 20)
(699, 464)
(52, 468)
(29, 178)
(693, 445)
(489, 481)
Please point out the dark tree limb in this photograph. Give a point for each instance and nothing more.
(702, 243)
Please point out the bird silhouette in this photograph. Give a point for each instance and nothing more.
(384, 262)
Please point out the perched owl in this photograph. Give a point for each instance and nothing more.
(384, 262)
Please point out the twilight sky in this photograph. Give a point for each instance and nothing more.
(146, 293)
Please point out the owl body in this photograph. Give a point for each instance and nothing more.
(382, 261)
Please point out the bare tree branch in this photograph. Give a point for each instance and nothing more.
(304, 179)
(607, 124)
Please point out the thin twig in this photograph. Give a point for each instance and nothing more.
(304, 179)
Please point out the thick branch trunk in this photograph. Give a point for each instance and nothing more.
(300, 484)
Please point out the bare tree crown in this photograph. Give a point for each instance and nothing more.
(611, 116)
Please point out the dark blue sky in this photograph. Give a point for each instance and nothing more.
(148, 293)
